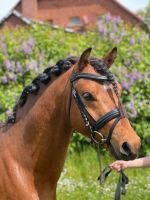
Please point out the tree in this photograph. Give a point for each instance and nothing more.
(145, 14)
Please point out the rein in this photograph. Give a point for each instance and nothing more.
(122, 181)
(95, 126)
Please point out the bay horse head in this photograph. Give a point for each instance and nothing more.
(96, 109)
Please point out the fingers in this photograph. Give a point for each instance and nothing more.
(115, 166)
(118, 165)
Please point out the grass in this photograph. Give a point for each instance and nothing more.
(79, 180)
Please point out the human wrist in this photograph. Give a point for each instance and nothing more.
(128, 164)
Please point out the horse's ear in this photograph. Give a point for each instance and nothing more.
(110, 57)
(84, 59)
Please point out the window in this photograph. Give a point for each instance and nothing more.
(75, 21)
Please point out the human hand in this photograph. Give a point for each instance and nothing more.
(119, 164)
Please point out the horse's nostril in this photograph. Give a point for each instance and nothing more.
(126, 149)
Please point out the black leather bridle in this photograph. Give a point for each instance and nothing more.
(95, 126)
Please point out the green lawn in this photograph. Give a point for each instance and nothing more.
(79, 180)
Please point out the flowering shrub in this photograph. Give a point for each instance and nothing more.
(25, 52)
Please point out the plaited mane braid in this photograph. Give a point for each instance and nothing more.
(44, 78)
(60, 67)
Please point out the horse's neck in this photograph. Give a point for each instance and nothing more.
(47, 129)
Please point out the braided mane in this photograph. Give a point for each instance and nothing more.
(60, 67)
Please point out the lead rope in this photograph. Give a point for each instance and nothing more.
(97, 146)
(122, 181)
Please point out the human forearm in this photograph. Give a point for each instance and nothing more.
(140, 162)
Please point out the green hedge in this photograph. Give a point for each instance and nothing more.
(25, 52)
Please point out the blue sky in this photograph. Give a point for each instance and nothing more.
(6, 5)
(134, 5)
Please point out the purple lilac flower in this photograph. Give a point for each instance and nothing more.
(116, 20)
(19, 68)
(125, 85)
(26, 49)
(15, 77)
(7, 64)
(132, 40)
(133, 76)
(4, 80)
(12, 66)
(28, 46)
(3, 47)
(100, 18)
(108, 17)
(132, 109)
(101, 30)
(31, 42)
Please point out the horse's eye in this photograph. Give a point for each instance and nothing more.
(88, 96)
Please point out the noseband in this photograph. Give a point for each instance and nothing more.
(95, 126)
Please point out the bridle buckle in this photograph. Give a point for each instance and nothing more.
(102, 139)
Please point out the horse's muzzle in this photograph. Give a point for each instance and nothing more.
(125, 152)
